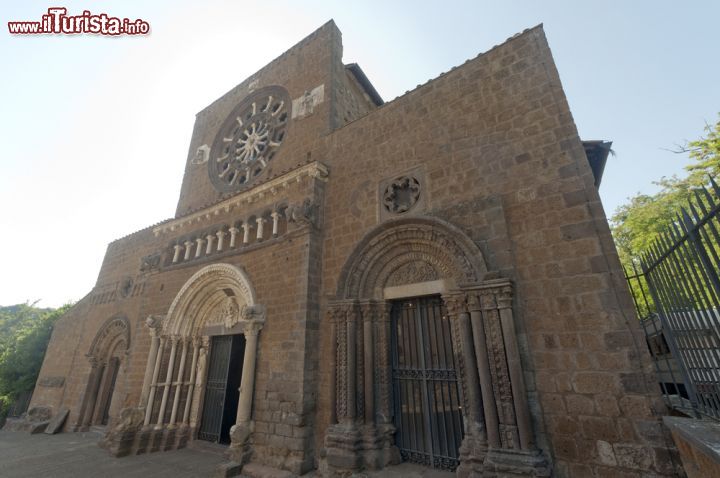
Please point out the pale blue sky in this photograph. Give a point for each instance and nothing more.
(95, 130)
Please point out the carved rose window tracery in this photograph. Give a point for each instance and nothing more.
(249, 139)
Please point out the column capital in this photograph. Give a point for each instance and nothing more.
(252, 328)
(174, 339)
(274, 214)
(232, 230)
(220, 233)
(199, 240)
(210, 237)
(473, 301)
(188, 243)
(455, 304)
(367, 310)
(154, 324)
(504, 296)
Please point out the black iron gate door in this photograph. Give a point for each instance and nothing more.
(428, 414)
(214, 403)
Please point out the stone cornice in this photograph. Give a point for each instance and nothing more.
(270, 188)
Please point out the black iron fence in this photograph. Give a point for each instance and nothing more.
(676, 288)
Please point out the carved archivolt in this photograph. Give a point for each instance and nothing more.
(114, 333)
(393, 253)
(218, 290)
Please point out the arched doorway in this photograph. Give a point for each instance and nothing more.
(426, 365)
(107, 355)
(201, 353)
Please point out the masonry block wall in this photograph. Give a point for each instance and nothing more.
(498, 156)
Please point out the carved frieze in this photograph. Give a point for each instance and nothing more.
(412, 272)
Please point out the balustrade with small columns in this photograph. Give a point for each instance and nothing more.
(224, 238)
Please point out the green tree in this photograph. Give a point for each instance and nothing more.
(24, 336)
(637, 224)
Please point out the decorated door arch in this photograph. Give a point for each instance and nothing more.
(217, 300)
(422, 256)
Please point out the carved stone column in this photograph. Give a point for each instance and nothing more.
(334, 318)
(506, 409)
(233, 235)
(198, 250)
(188, 249)
(153, 324)
(168, 379)
(384, 407)
(275, 221)
(260, 228)
(176, 255)
(193, 374)
(253, 320)
(483, 368)
(474, 445)
(179, 381)
(367, 311)
(153, 384)
(343, 440)
(210, 238)
(503, 299)
(220, 239)
(246, 232)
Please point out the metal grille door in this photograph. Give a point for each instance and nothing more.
(428, 414)
(214, 403)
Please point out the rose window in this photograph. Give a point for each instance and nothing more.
(249, 139)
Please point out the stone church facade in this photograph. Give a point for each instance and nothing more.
(348, 284)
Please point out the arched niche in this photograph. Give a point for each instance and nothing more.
(107, 355)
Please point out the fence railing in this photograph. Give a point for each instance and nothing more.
(676, 288)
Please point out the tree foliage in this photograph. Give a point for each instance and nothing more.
(24, 336)
(636, 224)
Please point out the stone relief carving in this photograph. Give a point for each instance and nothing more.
(150, 262)
(201, 155)
(254, 313)
(305, 105)
(229, 313)
(302, 214)
(411, 273)
(401, 194)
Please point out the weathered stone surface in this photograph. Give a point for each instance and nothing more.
(55, 425)
(452, 189)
